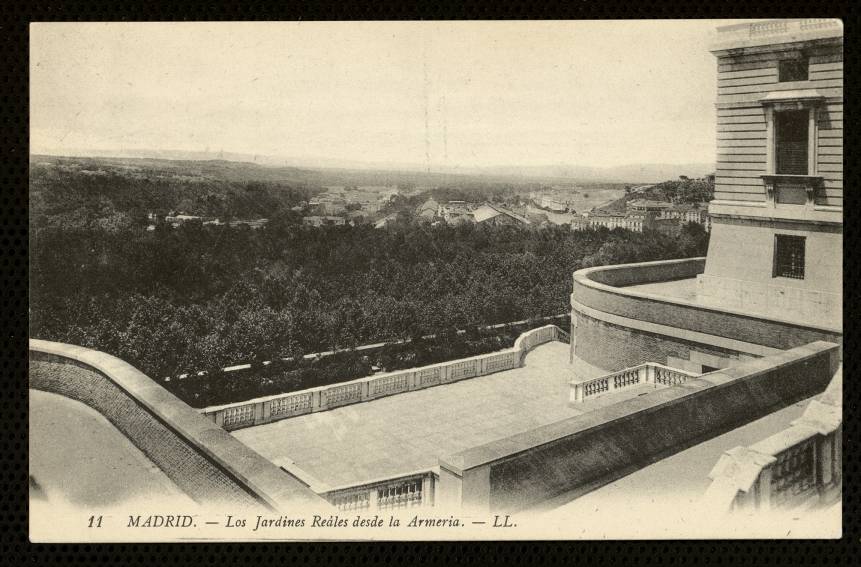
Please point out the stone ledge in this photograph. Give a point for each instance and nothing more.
(760, 210)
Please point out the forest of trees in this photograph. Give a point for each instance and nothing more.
(681, 192)
(178, 300)
(194, 297)
(88, 193)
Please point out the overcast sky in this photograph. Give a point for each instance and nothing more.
(464, 93)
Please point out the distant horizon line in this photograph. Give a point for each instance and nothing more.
(269, 160)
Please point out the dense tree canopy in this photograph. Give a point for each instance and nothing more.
(197, 297)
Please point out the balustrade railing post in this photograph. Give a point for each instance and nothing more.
(373, 499)
(763, 487)
(824, 463)
(577, 393)
(427, 483)
(838, 451)
(258, 413)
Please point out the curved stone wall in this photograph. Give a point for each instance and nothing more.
(614, 327)
(614, 347)
(202, 459)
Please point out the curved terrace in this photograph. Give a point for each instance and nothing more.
(662, 298)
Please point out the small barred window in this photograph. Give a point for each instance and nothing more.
(789, 256)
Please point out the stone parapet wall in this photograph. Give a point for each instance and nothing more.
(614, 347)
(601, 290)
(280, 406)
(622, 275)
(200, 458)
(576, 455)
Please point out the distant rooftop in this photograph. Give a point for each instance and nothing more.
(649, 203)
(408, 432)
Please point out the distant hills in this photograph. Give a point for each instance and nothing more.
(633, 173)
(557, 173)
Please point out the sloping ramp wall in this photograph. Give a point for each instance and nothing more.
(202, 459)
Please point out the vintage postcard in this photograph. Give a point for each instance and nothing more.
(436, 280)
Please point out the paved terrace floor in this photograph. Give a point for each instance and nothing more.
(685, 289)
(407, 432)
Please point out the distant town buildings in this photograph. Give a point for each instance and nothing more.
(494, 215)
(175, 219)
(386, 221)
(663, 210)
(427, 211)
(324, 221)
(555, 199)
(456, 212)
(250, 223)
(646, 215)
(647, 206)
(637, 222)
(337, 200)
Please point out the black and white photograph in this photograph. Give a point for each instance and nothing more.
(435, 280)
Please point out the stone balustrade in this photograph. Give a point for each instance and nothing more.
(410, 491)
(799, 466)
(281, 406)
(754, 33)
(648, 373)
